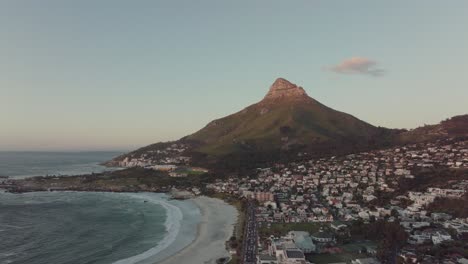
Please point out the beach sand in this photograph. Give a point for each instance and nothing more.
(215, 228)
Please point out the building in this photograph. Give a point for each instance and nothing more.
(266, 259)
(286, 252)
(302, 240)
(292, 256)
(264, 196)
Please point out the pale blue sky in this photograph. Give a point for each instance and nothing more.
(90, 74)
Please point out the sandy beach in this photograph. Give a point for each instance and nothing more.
(215, 228)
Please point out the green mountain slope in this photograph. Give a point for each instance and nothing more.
(456, 126)
(287, 121)
(287, 116)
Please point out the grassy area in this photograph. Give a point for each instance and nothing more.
(349, 252)
(195, 172)
(331, 258)
(357, 246)
(190, 171)
(280, 229)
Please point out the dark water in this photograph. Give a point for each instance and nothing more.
(78, 227)
(68, 227)
(23, 164)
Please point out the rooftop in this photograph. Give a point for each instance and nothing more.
(294, 253)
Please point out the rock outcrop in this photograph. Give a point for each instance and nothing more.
(282, 89)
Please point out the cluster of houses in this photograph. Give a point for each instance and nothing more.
(421, 199)
(434, 228)
(341, 188)
(344, 188)
(165, 159)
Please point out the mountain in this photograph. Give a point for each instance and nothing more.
(286, 121)
(286, 117)
(456, 126)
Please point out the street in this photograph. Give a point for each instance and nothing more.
(249, 251)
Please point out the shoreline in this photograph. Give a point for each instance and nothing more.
(202, 242)
(214, 230)
(173, 222)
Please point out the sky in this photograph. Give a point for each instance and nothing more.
(116, 75)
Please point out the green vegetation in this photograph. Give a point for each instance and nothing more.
(265, 125)
(189, 171)
(281, 229)
(390, 237)
(423, 179)
(455, 207)
(454, 127)
(332, 258)
(349, 251)
(448, 248)
(234, 260)
(127, 180)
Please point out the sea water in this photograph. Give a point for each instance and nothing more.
(87, 227)
(90, 227)
(20, 164)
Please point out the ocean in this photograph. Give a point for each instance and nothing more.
(20, 164)
(87, 227)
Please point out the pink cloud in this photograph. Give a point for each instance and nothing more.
(358, 65)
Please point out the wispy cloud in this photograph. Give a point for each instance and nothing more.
(358, 65)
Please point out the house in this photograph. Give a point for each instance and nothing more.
(440, 237)
(364, 215)
(266, 259)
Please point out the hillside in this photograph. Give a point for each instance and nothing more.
(456, 126)
(286, 121)
(285, 117)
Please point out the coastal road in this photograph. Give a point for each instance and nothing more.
(249, 252)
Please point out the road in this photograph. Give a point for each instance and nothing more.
(249, 251)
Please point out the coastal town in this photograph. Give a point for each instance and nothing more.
(324, 210)
(310, 208)
(164, 158)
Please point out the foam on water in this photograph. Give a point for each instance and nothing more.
(172, 223)
(147, 238)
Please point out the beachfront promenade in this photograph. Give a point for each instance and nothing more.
(249, 247)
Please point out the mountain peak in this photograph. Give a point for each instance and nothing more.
(282, 88)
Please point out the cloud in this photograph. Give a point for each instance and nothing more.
(357, 65)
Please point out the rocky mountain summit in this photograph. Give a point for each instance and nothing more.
(284, 118)
(283, 89)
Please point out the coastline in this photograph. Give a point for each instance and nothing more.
(215, 228)
(198, 229)
(148, 227)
